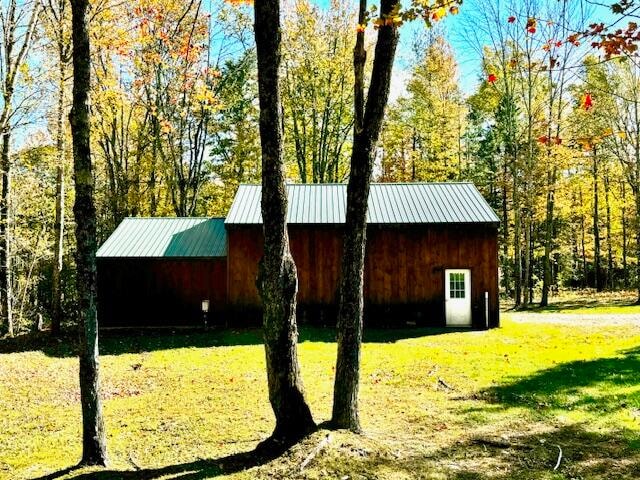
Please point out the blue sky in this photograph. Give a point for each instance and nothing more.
(455, 29)
(468, 58)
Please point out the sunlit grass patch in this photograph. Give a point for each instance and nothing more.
(435, 404)
(588, 301)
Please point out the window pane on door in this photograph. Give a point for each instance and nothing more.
(456, 285)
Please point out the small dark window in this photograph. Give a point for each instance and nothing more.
(456, 285)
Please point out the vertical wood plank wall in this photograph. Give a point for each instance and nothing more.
(160, 292)
(404, 277)
(404, 270)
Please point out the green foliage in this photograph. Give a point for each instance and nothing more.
(34, 189)
(235, 148)
(422, 139)
(318, 90)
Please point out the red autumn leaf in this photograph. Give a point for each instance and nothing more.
(532, 23)
(543, 139)
(574, 39)
(492, 78)
(558, 140)
(511, 19)
(587, 102)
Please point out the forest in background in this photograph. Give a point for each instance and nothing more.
(550, 136)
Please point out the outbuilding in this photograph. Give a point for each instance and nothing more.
(431, 259)
(157, 271)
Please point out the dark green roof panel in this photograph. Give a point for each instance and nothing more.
(167, 238)
(389, 203)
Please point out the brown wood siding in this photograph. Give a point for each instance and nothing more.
(404, 270)
(316, 252)
(243, 254)
(405, 267)
(160, 292)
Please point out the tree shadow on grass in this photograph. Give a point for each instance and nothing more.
(148, 340)
(523, 455)
(586, 454)
(599, 385)
(580, 304)
(196, 470)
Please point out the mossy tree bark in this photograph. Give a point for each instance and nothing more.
(93, 435)
(277, 279)
(368, 122)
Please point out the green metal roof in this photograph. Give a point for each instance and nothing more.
(389, 203)
(167, 237)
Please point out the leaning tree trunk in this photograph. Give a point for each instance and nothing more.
(93, 437)
(277, 279)
(368, 122)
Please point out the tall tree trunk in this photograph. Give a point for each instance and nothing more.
(596, 226)
(635, 188)
(506, 271)
(517, 238)
(636, 193)
(58, 226)
(625, 273)
(277, 279)
(368, 122)
(608, 227)
(548, 238)
(583, 243)
(6, 290)
(531, 251)
(14, 50)
(526, 273)
(93, 437)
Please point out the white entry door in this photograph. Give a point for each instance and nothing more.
(457, 297)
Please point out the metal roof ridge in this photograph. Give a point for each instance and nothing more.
(173, 218)
(388, 202)
(457, 182)
(339, 184)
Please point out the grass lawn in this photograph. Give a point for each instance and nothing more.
(435, 405)
(589, 302)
